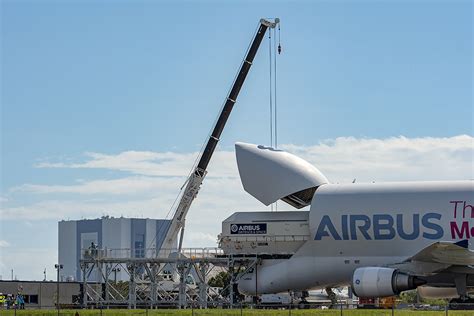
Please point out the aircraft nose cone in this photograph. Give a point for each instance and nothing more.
(270, 174)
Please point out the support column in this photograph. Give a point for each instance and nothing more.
(203, 285)
(230, 268)
(108, 269)
(132, 293)
(182, 285)
(153, 286)
(152, 272)
(84, 267)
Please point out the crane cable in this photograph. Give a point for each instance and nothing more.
(272, 50)
(271, 91)
(275, 81)
(271, 86)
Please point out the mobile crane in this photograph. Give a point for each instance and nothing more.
(196, 178)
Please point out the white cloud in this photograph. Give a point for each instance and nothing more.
(341, 160)
(4, 244)
(392, 159)
(142, 163)
(122, 186)
(382, 158)
(201, 239)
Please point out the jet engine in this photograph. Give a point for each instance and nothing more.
(381, 282)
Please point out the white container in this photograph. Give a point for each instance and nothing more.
(269, 233)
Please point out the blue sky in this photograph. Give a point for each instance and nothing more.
(150, 76)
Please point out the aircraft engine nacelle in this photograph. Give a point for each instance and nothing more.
(382, 282)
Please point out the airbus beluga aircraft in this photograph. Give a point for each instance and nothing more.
(379, 238)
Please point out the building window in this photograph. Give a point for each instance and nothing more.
(139, 246)
(31, 299)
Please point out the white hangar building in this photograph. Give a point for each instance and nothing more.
(115, 237)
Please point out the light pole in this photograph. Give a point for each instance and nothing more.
(58, 267)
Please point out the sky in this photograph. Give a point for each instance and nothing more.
(106, 104)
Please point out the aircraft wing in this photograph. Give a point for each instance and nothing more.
(447, 253)
(439, 256)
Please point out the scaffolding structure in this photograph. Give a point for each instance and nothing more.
(161, 280)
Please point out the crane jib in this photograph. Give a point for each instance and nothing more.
(231, 99)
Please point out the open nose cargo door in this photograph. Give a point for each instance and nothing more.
(270, 174)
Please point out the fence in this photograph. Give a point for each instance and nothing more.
(104, 253)
(258, 309)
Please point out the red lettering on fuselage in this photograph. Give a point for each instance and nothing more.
(461, 233)
(455, 207)
(467, 206)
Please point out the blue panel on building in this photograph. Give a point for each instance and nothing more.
(161, 230)
(138, 235)
(87, 226)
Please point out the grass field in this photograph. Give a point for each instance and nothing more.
(231, 312)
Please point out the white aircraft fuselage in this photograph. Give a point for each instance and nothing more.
(362, 225)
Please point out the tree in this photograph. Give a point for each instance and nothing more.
(222, 279)
(409, 297)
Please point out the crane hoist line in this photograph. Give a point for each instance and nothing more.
(197, 176)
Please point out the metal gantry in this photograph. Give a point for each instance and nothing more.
(150, 281)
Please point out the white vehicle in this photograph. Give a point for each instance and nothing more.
(380, 238)
(321, 296)
(275, 299)
(168, 285)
